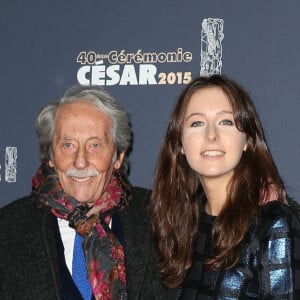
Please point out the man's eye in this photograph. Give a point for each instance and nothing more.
(93, 146)
(226, 122)
(197, 123)
(68, 145)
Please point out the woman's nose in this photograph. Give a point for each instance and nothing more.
(212, 133)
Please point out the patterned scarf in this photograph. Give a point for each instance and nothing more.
(104, 254)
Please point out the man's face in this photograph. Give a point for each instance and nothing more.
(83, 151)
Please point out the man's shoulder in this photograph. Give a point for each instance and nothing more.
(22, 210)
(137, 210)
(16, 206)
(141, 194)
(140, 199)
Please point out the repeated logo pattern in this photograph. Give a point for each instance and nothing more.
(211, 46)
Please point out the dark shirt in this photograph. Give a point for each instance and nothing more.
(266, 268)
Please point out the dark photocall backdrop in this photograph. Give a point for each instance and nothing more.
(144, 52)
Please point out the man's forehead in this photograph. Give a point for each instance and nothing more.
(79, 109)
(81, 118)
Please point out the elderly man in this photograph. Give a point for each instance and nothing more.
(80, 197)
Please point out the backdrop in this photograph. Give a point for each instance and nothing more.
(144, 52)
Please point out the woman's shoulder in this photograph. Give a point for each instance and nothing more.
(276, 216)
(274, 209)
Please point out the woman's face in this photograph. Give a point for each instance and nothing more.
(212, 144)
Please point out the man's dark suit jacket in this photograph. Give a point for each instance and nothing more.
(30, 263)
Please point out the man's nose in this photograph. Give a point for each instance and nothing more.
(81, 159)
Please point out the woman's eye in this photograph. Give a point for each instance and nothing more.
(197, 123)
(226, 122)
(95, 145)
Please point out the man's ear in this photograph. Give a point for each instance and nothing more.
(119, 161)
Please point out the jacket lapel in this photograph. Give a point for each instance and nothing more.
(136, 244)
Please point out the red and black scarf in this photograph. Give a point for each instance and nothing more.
(103, 252)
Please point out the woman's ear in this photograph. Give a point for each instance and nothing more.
(246, 145)
(182, 150)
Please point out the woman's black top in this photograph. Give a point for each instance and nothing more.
(269, 264)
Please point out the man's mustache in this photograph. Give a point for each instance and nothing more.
(82, 173)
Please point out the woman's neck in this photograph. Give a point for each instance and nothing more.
(215, 192)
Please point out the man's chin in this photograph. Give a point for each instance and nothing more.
(84, 199)
(88, 202)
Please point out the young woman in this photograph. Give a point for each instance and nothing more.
(222, 225)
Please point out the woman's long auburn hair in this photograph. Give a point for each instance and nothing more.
(176, 199)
